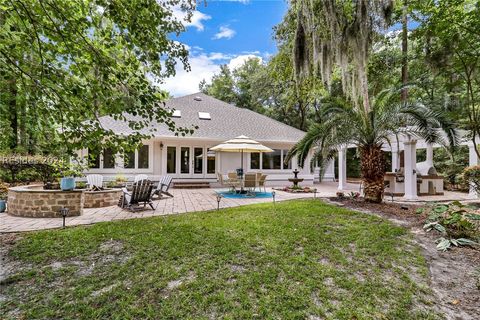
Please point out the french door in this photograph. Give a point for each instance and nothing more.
(186, 161)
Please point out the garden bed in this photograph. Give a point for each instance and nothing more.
(296, 190)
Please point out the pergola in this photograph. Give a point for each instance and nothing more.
(409, 145)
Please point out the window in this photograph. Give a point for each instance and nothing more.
(184, 160)
(272, 160)
(171, 159)
(287, 165)
(177, 114)
(204, 116)
(108, 159)
(198, 160)
(143, 157)
(210, 161)
(255, 160)
(129, 160)
(93, 159)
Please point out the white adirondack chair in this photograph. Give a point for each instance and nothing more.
(95, 180)
(139, 177)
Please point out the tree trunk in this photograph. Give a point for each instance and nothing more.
(405, 51)
(373, 172)
(12, 110)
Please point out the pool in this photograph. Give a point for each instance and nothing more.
(230, 195)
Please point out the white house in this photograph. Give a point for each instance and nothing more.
(188, 159)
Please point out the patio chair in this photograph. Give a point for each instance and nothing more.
(231, 184)
(141, 194)
(250, 183)
(232, 176)
(95, 181)
(261, 182)
(163, 186)
(139, 177)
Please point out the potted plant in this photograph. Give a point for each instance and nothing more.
(120, 181)
(69, 172)
(3, 197)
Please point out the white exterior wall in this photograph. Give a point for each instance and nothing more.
(224, 162)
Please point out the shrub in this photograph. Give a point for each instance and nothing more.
(24, 169)
(458, 224)
(472, 175)
(3, 191)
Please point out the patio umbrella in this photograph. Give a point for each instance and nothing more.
(241, 144)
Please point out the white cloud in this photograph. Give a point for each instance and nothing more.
(203, 66)
(196, 19)
(240, 60)
(225, 32)
(219, 56)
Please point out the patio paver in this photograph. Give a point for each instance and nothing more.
(184, 200)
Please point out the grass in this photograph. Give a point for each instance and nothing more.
(301, 259)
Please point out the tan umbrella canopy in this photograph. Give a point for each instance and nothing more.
(241, 144)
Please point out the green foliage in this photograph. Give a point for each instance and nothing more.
(448, 31)
(459, 224)
(64, 64)
(24, 169)
(120, 178)
(3, 191)
(472, 175)
(451, 166)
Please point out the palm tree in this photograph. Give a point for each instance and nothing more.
(346, 125)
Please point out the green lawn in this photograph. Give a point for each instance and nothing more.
(300, 259)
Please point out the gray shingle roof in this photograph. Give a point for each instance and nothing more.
(227, 121)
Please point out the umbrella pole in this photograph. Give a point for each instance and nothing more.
(241, 167)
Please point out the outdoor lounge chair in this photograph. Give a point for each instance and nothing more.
(140, 194)
(139, 177)
(163, 186)
(95, 181)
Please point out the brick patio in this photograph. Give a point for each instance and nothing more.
(184, 200)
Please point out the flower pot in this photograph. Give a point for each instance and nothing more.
(67, 183)
(3, 205)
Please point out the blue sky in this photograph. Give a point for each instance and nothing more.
(225, 32)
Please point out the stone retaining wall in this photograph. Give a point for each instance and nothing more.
(100, 199)
(32, 201)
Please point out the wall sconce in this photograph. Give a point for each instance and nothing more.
(161, 145)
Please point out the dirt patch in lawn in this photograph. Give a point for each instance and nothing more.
(454, 275)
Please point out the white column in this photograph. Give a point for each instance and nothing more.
(430, 155)
(410, 166)
(472, 161)
(342, 169)
(395, 159)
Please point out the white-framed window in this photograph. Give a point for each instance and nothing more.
(138, 159)
(269, 160)
(107, 159)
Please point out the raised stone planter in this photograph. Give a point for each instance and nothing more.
(33, 201)
(103, 198)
